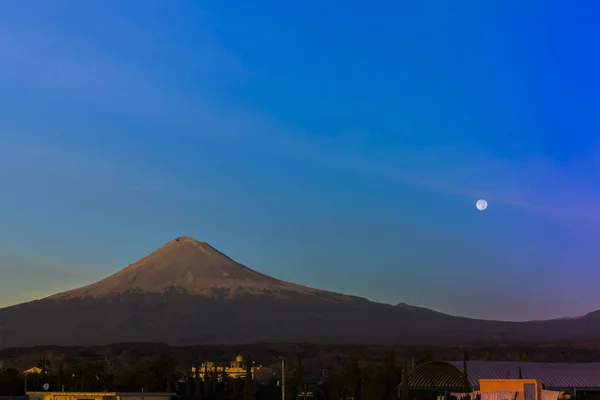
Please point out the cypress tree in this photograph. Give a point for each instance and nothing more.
(299, 377)
(224, 382)
(466, 385)
(60, 376)
(248, 384)
(197, 393)
(390, 389)
(215, 379)
(169, 375)
(205, 381)
(189, 382)
(405, 384)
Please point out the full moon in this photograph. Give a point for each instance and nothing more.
(481, 205)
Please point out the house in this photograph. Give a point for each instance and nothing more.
(440, 378)
(33, 371)
(235, 369)
(99, 396)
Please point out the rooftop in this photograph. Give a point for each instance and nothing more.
(449, 374)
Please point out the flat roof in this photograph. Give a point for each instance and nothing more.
(449, 374)
(552, 375)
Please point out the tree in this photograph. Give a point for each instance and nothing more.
(224, 380)
(12, 383)
(392, 377)
(189, 385)
(60, 376)
(248, 383)
(351, 377)
(204, 382)
(170, 369)
(197, 383)
(374, 382)
(425, 356)
(466, 384)
(405, 384)
(93, 376)
(298, 377)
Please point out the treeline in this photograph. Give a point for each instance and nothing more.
(161, 374)
(350, 380)
(372, 382)
(158, 374)
(377, 381)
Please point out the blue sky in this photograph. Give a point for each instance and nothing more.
(341, 148)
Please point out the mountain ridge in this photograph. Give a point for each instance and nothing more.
(188, 293)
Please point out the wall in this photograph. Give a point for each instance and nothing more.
(123, 396)
(508, 385)
(72, 396)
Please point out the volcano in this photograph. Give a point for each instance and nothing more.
(190, 267)
(189, 293)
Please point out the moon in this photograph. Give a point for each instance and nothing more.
(481, 204)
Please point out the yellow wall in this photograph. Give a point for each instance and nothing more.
(96, 396)
(509, 385)
(33, 371)
(234, 372)
(72, 396)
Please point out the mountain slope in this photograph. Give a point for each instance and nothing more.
(186, 265)
(187, 292)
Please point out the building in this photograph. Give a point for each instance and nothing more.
(98, 396)
(580, 380)
(33, 371)
(235, 369)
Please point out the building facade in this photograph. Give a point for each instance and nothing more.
(98, 396)
(235, 369)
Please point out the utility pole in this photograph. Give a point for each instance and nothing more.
(282, 378)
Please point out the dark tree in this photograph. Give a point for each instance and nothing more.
(189, 387)
(248, 382)
(298, 378)
(405, 384)
(392, 377)
(12, 383)
(466, 385)
(424, 357)
(198, 383)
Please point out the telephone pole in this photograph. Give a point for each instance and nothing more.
(282, 378)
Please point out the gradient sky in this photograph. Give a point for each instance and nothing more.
(337, 147)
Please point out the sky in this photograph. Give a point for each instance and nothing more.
(342, 148)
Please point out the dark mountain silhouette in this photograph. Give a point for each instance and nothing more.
(187, 292)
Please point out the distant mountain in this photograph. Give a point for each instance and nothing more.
(187, 292)
(187, 266)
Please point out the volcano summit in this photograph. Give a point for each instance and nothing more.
(187, 293)
(187, 266)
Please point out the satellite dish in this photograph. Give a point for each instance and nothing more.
(46, 386)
